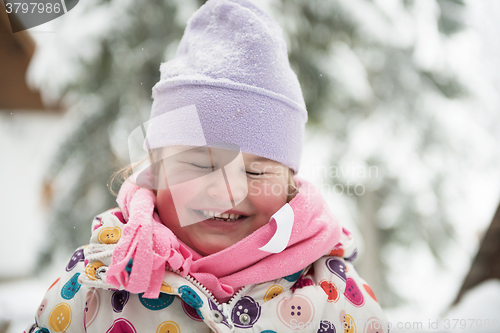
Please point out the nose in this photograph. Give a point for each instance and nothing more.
(219, 188)
(238, 185)
(237, 181)
(229, 186)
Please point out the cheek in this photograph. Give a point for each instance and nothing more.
(182, 194)
(166, 209)
(267, 197)
(163, 199)
(173, 203)
(268, 190)
(179, 195)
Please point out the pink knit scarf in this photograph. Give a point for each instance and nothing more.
(150, 245)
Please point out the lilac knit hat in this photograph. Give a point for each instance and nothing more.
(230, 81)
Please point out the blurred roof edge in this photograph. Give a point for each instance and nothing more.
(16, 50)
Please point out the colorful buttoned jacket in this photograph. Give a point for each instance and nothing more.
(326, 296)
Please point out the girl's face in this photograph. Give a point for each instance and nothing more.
(196, 188)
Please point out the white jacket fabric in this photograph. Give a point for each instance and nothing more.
(327, 296)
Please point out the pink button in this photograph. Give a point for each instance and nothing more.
(296, 312)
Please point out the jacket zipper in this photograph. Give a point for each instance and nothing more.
(224, 307)
(235, 298)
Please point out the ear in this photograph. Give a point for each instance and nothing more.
(291, 187)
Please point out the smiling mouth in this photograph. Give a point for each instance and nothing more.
(220, 216)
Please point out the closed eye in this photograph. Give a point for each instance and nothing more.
(210, 167)
(256, 174)
(201, 166)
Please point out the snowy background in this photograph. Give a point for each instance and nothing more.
(69, 64)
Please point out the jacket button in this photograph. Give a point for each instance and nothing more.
(100, 272)
(245, 318)
(217, 316)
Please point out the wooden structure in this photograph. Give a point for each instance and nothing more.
(486, 265)
(16, 50)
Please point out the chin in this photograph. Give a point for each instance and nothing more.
(209, 249)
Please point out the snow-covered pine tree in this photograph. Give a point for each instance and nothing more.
(104, 63)
(379, 83)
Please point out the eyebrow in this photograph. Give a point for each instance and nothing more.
(263, 159)
(201, 150)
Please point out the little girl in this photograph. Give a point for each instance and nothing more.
(214, 232)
